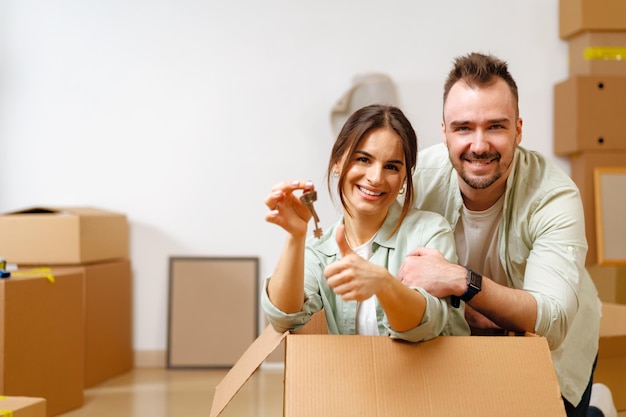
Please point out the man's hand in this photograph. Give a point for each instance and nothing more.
(428, 269)
(477, 321)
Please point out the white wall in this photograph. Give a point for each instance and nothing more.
(182, 114)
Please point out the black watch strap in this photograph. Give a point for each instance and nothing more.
(474, 285)
(455, 301)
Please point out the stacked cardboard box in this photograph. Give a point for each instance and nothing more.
(611, 368)
(610, 282)
(88, 243)
(589, 108)
(63, 236)
(42, 340)
(108, 319)
(590, 105)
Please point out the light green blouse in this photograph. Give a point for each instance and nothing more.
(419, 228)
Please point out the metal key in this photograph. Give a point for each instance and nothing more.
(308, 198)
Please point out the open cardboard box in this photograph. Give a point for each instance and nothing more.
(63, 235)
(331, 375)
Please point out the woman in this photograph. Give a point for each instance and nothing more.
(349, 271)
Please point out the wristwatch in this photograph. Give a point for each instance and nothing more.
(474, 285)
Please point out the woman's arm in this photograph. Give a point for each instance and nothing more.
(286, 286)
(354, 278)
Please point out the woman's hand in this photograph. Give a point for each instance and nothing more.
(286, 210)
(352, 277)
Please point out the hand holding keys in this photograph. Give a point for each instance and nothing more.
(308, 198)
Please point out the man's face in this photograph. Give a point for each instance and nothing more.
(481, 131)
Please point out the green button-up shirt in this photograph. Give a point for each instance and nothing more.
(541, 246)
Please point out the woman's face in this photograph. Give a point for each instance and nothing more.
(376, 173)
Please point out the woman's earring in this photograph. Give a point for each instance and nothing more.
(336, 174)
(402, 190)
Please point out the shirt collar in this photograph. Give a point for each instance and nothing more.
(328, 246)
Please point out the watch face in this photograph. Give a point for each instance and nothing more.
(476, 280)
(474, 285)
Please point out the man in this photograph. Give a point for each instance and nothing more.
(518, 224)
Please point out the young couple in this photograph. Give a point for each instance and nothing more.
(393, 265)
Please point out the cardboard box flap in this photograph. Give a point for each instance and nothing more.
(34, 210)
(249, 362)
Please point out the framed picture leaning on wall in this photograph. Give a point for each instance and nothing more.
(610, 205)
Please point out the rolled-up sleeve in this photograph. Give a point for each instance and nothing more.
(433, 323)
(555, 264)
(282, 321)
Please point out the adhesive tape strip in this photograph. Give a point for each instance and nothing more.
(605, 53)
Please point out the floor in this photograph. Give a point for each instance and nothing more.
(174, 393)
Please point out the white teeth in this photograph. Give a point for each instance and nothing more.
(480, 163)
(368, 192)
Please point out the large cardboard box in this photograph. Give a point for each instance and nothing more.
(582, 166)
(588, 114)
(108, 321)
(580, 15)
(332, 375)
(597, 53)
(108, 318)
(610, 281)
(42, 334)
(22, 406)
(611, 367)
(63, 235)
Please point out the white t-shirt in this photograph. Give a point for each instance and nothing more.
(476, 238)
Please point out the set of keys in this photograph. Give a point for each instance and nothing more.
(308, 198)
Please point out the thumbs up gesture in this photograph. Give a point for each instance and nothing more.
(352, 277)
(342, 242)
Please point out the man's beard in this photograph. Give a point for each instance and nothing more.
(481, 183)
